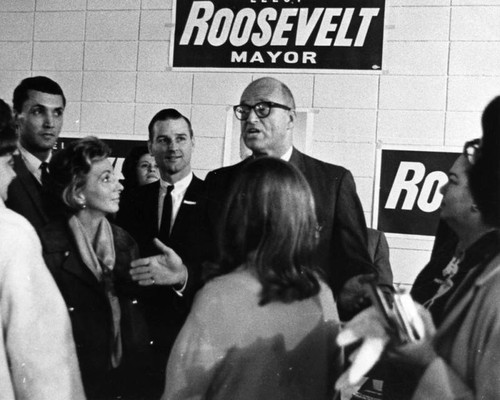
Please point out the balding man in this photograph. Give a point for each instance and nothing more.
(267, 115)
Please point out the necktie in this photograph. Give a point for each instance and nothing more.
(166, 215)
(44, 168)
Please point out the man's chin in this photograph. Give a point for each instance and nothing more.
(47, 145)
(254, 144)
(172, 170)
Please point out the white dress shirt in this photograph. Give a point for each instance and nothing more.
(33, 163)
(177, 194)
(287, 155)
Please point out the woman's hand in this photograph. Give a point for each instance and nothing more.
(164, 269)
(371, 329)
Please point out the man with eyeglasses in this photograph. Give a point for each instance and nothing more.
(267, 115)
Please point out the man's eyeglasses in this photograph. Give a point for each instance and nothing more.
(471, 150)
(262, 109)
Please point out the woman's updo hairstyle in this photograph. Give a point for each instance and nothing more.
(70, 166)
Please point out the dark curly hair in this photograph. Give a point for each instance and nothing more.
(270, 226)
(130, 164)
(484, 175)
(8, 136)
(70, 166)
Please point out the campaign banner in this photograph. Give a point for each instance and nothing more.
(408, 197)
(278, 34)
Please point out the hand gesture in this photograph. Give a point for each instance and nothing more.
(163, 269)
(370, 328)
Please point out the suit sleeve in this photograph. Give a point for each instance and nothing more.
(209, 209)
(37, 332)
(350, 236)
(381, 259)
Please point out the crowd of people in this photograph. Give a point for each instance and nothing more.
(247, 285)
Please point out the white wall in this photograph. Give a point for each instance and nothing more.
(441, 66)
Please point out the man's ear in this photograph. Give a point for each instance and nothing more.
(293, 117)
(16, 119)
(149, 147)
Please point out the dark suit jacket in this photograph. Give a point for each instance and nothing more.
(90, 315)
(378, 248)
(342, 251)
(138, 215)
(25, 196)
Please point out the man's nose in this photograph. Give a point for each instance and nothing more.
(173, 145)
(252, 115)
(49, 120)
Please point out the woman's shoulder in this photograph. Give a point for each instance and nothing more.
(13, 220)
(488, 283)
(223, 289)
(15, 229)
(234, 282)
(121, 236)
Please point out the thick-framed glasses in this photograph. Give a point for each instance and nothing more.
(471, 150)
(262, 109)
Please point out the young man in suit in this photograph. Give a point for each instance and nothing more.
(166, 210)
(39, 104)
(143, 213)
(267, 115)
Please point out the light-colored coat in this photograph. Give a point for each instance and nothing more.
(37, 352)
(232, 348)
(469, 343)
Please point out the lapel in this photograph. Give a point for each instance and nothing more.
(188, 207)
(300, 161)
(297, 160)
(30, 185)
(149, 205)
(59, 239)
(456, 313)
